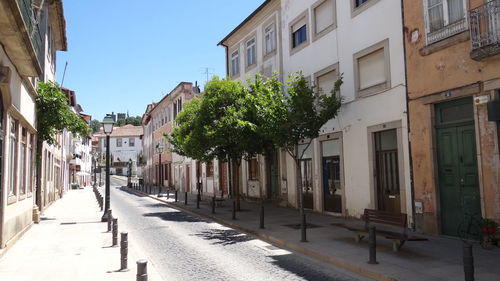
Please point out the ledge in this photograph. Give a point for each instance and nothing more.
(445, 43)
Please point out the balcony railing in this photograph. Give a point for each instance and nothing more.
(447, 31)
(485, 30)
(30, 22)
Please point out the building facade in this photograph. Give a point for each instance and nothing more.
(453, 73)
(125, 145)
(30, 36)
(361, 159)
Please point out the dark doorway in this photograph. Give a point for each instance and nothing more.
(272, 166)
(387, 171)
(457, 164)
(223, 177)
(332, 188)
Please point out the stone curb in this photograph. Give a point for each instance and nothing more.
(351, 267)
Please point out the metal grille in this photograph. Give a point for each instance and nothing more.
(447, 31)
(388, 172)
(485, 24)
(31, 24)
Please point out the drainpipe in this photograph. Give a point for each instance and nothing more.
(412, 186)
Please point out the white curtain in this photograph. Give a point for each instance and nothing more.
(436, 20)
(455, 10)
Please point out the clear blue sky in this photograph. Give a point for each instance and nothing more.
(125, 54)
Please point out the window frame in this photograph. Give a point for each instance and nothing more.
(274, 37)
(375, 89)
(356, 10)
(250, 64)
(446, 24)
(12, 191)
(326, 70)
(131, 142)
(119, 142)
(315, 34)
(253, 164)
(232, 73)
(302, 16)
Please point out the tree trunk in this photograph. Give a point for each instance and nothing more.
(38, 181)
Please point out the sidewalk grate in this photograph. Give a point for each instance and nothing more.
(297, 225)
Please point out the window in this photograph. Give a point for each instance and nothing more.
(360, 2)
(251, 52)
(324, 17)
(13, 157)
(29, 172)
(253, 169)
(269, 39)
(118, 142)
(22, 161)
(210, 169)
(444, 18)
(325, 79)
(299, 33)
(131, 142)
(358, 6)
(235, 64)
(371, 67)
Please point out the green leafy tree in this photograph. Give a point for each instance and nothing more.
(95, 125)
(307, 110)
(53, 117)
(217, 126)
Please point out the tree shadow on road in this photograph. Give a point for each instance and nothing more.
(175, 217)
(293, 265)
(129, 191)
(224, 236)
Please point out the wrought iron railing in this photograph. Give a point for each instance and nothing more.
(485, 24)
(31, 24)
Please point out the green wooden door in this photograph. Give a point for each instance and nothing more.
(458, 175)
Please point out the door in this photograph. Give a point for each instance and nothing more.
(332, 200)
(307, 186)
(223, 177)
(387, 171)
(272, 175)
(457, 165)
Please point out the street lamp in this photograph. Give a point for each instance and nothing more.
(129, 174)
(159, 149)
(107, 123)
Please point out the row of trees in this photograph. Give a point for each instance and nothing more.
(231, 122)
(135, 121)
(53, 117)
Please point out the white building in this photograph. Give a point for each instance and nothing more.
(361, 159)
(125, 145)
(30, 35)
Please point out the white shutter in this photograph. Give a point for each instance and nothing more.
(372, 69)
(330, 148)
(326, 81)
(324, 15)
(299, 24)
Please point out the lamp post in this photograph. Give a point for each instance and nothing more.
(94, 157)
(107, 123)
(129, 173)
(159, 149)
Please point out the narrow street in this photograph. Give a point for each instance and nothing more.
(182, 246)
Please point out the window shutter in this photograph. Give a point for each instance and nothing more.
(372, 70)
(299, 24)
(326, 81)
(324, 15)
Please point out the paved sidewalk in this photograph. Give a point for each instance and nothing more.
(439, 258)
(70, 243)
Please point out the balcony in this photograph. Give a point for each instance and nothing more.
(485, 30)
(28, 13)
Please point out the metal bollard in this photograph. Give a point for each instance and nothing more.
(261, 216)
(115, 232)
(373, 245)
(110, 217)
(303, 228)
(234, 209)
(198, 201)
(185, 198)
(213, 205)
(123, 251)
(168, 194)
(176, 196)
(468, 262)
(142, 270)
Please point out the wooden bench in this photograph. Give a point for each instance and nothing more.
(396, 221)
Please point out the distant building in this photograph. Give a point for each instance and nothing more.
(121, 116)
(125, 145)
